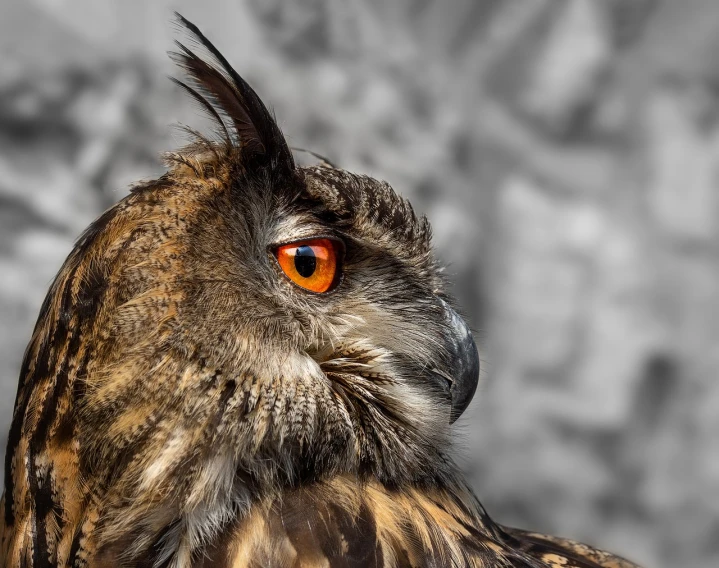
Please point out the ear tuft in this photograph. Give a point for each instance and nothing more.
(240, 114)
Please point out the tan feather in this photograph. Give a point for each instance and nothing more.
(182, 403)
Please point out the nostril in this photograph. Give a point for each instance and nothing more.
(443, 381)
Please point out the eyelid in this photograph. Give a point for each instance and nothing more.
(302, 237)
(342, 247)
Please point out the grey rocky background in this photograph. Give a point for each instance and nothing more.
(567, 152)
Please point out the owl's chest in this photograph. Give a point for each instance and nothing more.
(343, 523)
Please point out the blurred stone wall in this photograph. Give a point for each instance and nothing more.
(566, 152)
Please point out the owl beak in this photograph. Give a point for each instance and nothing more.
(463, 369)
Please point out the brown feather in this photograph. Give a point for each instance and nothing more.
(182, 403)
(256, 128)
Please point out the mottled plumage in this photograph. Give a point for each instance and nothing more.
(183, 403)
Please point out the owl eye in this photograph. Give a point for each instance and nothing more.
(312, 264)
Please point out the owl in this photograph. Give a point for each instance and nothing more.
(246, 363)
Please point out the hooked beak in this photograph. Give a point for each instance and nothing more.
(462, 372)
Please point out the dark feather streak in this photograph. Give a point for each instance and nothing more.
(217, 82)
(207, 106)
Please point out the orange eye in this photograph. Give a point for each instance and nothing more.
(312, 264)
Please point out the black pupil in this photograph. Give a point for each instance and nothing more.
(305, 261)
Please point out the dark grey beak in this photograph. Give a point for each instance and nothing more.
(462, 371)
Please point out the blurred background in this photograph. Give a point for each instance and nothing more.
(566, 151)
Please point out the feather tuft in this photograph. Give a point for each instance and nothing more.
(230, 101)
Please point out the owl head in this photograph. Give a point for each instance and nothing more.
(243, 324)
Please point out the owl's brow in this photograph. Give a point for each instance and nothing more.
(369, 205)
